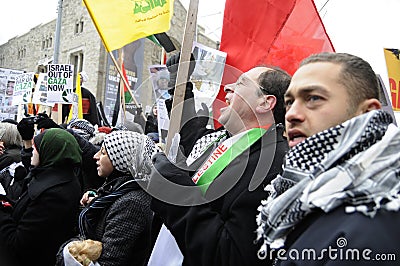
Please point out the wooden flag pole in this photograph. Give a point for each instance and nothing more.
(182, 76)
(125, 82)
(121, 87)
(59, 113)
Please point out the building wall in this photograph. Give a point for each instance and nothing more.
(79, 38)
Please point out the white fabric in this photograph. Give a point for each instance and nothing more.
(166, 251)
(2, 191)
(69, 260)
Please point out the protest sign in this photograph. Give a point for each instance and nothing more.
(24, 84)
(40, 93)
(159, 77)
(7, 83)
(60, 83)
(207, 75)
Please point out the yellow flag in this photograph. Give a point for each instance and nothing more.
(120, 22)
(393, 69)
(76, 110)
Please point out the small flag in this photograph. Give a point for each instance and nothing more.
(127, 94)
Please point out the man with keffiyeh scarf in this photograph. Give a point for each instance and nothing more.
(208, 208)
(337, 200)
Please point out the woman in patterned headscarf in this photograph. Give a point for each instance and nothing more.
(119, 215)
(32, 229)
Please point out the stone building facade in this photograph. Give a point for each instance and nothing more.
(81, 46)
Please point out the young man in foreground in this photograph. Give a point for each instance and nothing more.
(337, 200)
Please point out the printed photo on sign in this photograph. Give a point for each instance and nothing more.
(40, 92)
(7, 84)
(207, 75)
(3, 85)
(10, 87)
(159, 76)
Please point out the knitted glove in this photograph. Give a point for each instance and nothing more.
(44, 121)
(172, 65)
(26, 128)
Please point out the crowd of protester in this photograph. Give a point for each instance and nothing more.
(299, 163)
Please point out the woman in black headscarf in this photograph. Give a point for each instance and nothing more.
(44, 217)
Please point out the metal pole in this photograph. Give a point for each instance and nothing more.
(57, 51)
(58, 31)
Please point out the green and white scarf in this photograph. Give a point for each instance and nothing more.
(224, 154)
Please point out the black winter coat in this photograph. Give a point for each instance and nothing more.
(10, 155)
(42, 219)
(222, 232)
(339, 238)
(123, 227)
(90, 179)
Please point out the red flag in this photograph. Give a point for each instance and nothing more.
(127, 95)
(271, 32)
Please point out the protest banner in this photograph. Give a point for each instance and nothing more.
(133, 62)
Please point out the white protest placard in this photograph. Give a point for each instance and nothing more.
(24, 84)
(40, 92)
(7, 83)
(162, 115)
(207, 75)
(159, 77)
(60, 83)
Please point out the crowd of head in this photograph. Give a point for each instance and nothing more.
(300, 163)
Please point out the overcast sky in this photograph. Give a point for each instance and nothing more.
(360, 27)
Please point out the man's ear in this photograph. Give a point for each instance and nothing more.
(369, 105)
(267, 104)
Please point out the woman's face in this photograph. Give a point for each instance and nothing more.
(104, 164)
(35, 157)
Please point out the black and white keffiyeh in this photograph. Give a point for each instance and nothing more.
(82, 127)
(130, 152)
(204, 142)
(356, 164)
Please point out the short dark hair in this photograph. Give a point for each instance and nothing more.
(275, 82)
(356, 75)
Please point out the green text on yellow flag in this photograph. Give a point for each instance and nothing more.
(120, 22)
